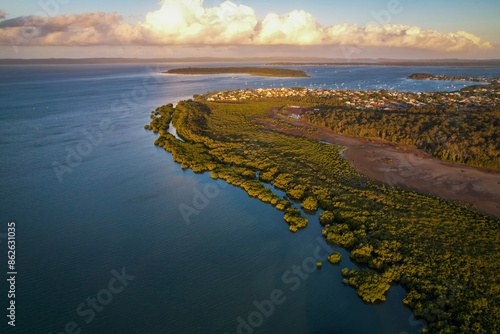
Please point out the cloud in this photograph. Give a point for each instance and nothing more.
(402, 36)
(75, 29)
(188, 22)
(297, 27)
(2, 14)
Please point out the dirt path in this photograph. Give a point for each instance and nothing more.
(411, 168)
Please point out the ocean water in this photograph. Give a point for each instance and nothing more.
(93, 199)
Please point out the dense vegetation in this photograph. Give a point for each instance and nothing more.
(446, 256)
(421, 76)
(259, 71)
(369, 286)
(161, 118)
(467, 136)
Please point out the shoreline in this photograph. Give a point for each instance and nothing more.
(454, 64)
(411, 168)
(410, 237)
(432, 77)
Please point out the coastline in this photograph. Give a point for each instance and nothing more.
(456, 63)
(416, 232)
(427, 76)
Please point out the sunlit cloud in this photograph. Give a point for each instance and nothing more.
(2, 14)
(188, 22)
(297, 27)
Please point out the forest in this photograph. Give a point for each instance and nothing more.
(421, 76)
(446, 256)
(258, 71)
(466, 136)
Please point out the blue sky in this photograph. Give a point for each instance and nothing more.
(480, 18)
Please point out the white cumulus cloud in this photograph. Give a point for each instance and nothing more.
(188, 22)
(296, 28)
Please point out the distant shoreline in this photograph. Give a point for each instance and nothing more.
(255, 71)
(287, 61)
(437, 63)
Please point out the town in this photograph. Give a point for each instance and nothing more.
(426, 76)
(469, 97)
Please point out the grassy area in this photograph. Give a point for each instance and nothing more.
(446, 256)
(257, 71)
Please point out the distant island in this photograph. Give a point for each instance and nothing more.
(427, 76)
(256, 71)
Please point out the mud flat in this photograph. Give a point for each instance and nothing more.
(411, 168)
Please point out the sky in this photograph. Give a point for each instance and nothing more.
(238, 28)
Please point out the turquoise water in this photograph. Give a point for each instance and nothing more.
(90, 194)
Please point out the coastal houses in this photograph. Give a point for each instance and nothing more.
(384, 99)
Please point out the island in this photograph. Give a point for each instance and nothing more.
(445, 253)
(254, 71)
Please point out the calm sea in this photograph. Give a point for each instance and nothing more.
(93, 199)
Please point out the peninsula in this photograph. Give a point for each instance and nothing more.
(443, 253)
(492, 63)
(255, 71)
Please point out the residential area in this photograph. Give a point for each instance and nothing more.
(482, 95)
